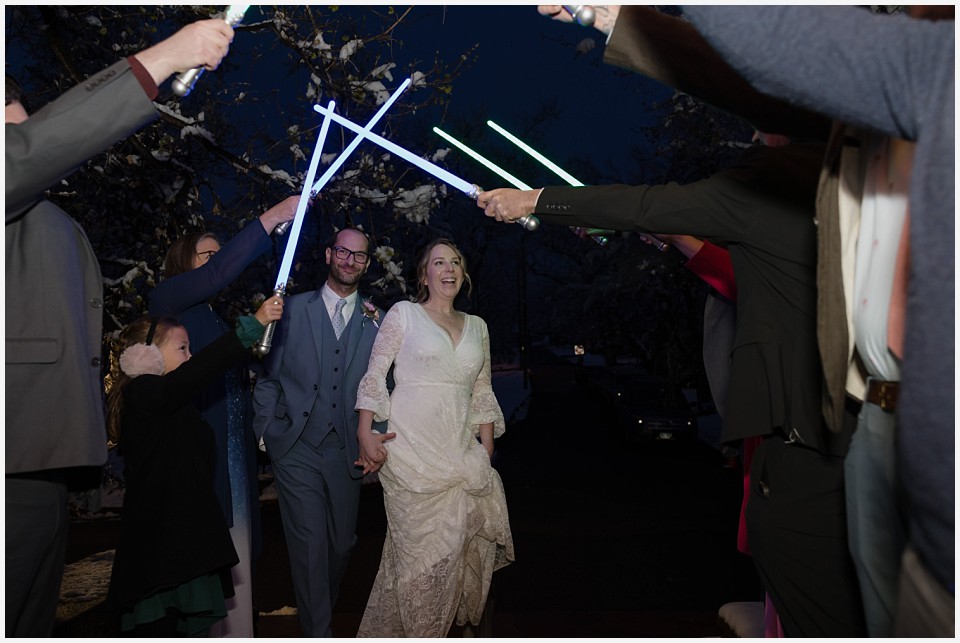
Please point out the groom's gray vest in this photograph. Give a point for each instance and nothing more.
(328, 417)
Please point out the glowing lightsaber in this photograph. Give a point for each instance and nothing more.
(553, 167)
(496, 169)
(265, 342)
(582, 14)
(571, 180)
(360, 136)
(470, 189)
(183, 84)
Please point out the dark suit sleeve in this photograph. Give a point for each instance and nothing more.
(60, 137)
(716, 207)
(671, 51)
(176, 294)
(737, 205)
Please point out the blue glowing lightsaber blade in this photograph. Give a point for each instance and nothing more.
(356, 141)
(496, 169)
(470, 189)
(265, 342)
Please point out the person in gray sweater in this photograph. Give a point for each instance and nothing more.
(895, 75)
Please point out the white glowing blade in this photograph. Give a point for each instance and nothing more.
(447, 177)
(340, 160)
(294, 234)
(234, 14)
(553, 167)
(499, 171)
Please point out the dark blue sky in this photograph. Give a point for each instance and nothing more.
(524, 62)
(527, 61)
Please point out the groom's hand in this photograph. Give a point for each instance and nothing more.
(372, 452)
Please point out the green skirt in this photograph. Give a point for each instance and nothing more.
(199, 604)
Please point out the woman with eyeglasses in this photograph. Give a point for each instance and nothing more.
(196, 269)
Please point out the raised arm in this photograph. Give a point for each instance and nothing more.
(867, 69)
(176, 294)
(95, 114)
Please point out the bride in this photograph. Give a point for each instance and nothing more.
(447, 524)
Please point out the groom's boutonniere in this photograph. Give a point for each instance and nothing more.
(371, 312)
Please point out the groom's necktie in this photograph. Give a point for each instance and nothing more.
(339, 323)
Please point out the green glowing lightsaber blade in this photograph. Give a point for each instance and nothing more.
(496, 169)
(553, 167)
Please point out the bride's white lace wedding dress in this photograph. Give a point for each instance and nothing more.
(447, 524)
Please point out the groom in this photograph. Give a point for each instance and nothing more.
(304, 403)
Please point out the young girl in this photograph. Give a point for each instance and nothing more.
(171, 572)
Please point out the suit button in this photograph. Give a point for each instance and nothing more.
(95, 361)
(337, 351)
(334, 388)
(315, 387)
(306, 414)
(334, 405)
(336, 368)
(96, 302)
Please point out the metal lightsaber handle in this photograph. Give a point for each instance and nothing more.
(265, 343)
(530, 223)
(582, 14)
(183, 84)
(661, 246)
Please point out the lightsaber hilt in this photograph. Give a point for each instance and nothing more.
(183, 84)
(282, 228)
(582, 14)
(660, 245)
(265, 343)
(530, 223)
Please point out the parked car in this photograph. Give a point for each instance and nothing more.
(652, 407)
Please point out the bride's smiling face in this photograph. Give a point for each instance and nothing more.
(444, 272)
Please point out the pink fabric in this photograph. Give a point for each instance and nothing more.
(771, 622)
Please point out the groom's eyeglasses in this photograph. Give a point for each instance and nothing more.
(346, 253)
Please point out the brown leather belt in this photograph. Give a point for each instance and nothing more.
(883, 394)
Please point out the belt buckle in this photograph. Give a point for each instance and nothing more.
(886, 396)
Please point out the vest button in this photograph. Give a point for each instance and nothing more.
(334, 388)
(336, 368)
(337, 351)
(334, 405)
(305, 414)
(315, 387)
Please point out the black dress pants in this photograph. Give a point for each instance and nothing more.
(797, 525)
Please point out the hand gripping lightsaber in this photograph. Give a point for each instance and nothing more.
(265, 342)
(470, 189)
(566, 176)
(582, 14)
(183, 84)
(509, 178)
